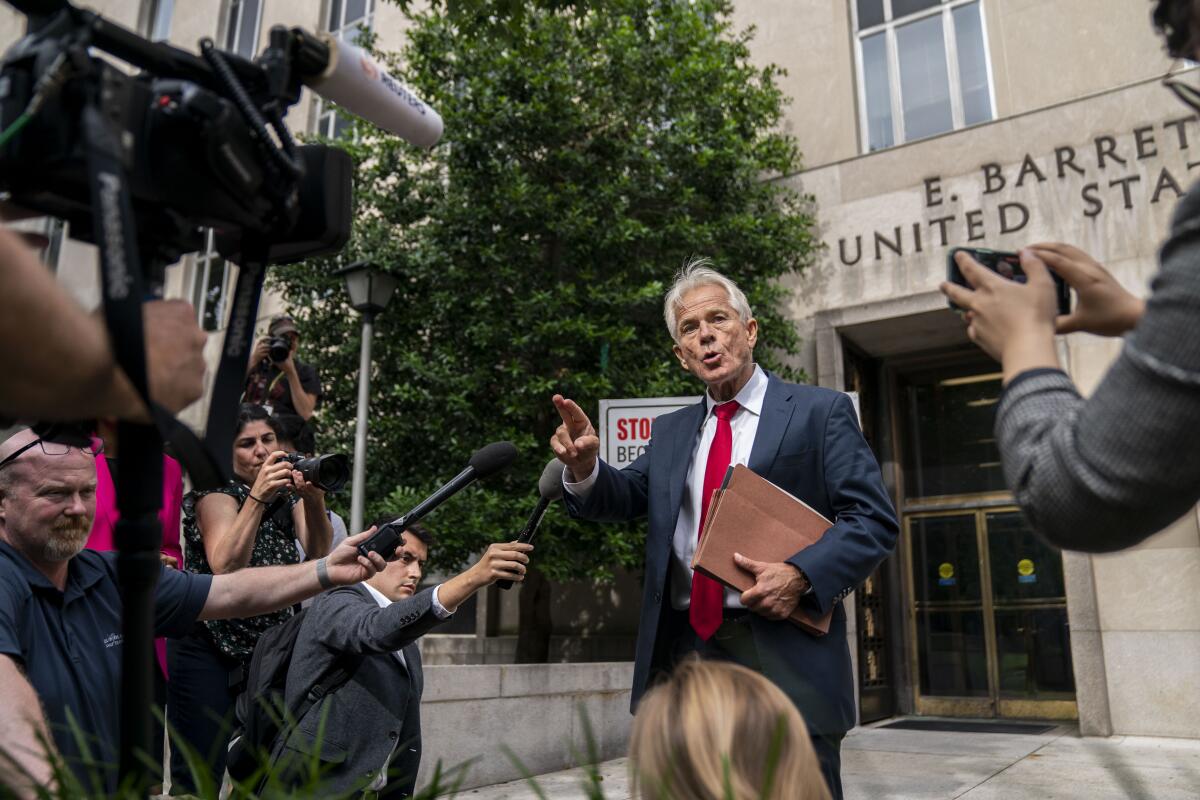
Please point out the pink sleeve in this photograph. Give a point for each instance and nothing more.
(172, 504)
(101, 537)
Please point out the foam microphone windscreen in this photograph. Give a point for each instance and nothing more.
(550, 485)
(492, 458)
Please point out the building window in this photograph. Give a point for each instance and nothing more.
(347, 20)
(923, 68)
(241, 27)
(158, 19)
(211, 284)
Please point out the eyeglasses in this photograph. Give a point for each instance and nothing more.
(95, 447)
(1187, 92)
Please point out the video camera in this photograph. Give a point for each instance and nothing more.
(201, 141)
(142, 165)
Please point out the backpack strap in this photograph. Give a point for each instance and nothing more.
(341, 671)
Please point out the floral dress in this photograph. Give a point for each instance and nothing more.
(275, 543)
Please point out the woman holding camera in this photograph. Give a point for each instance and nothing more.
(254, 521)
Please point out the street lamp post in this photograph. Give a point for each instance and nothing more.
(369, 290)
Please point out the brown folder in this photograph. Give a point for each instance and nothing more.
(754, 517)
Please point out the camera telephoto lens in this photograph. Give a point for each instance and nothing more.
(329, 473)
(278, 348)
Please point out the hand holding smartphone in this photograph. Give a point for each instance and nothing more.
(1007, 265)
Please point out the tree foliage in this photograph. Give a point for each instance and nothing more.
(587, 155)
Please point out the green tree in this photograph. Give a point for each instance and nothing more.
(589, 151)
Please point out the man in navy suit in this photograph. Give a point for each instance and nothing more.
(802, 438)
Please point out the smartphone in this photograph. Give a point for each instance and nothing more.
(1006, 265)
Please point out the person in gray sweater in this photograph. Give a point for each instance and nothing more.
(366, 734)
(1102, 473)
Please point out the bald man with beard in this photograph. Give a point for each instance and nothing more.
(60, 612)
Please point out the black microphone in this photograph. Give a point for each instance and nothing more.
(550, 488)
(486, 461)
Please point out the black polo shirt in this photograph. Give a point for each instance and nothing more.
(69, 643)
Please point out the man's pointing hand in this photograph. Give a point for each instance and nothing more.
(575, 443)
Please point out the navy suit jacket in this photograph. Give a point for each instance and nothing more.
(809, 443)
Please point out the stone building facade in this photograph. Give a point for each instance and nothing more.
(925, 125)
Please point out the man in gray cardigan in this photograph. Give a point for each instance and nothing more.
(367, 733)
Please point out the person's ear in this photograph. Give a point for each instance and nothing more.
(678, 351)
(752, 332)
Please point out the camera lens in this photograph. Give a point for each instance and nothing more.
(278, 348)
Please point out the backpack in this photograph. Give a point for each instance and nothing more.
(263, 720)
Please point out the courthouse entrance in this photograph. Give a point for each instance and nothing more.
(987, 613)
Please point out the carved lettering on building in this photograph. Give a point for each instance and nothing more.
(1113, 184)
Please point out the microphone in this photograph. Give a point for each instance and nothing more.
(486, 461)
(550, 488)
(355, 81)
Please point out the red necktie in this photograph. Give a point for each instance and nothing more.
(708, 595)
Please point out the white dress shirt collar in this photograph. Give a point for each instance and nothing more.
(750, 397)
(378, 596)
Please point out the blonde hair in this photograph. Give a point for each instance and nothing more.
(716, 731)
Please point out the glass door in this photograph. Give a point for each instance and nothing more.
(987, 604)
(989, 618)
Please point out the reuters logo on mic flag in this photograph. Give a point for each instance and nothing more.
(368, 67)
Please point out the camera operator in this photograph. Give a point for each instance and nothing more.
(276, 379)
(60, 614)
(254, 521)
(1103, 473)
(57, 362)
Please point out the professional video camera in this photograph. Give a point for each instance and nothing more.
(190, 140)
(143, 164)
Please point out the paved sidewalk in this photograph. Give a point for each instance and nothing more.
(882, 764)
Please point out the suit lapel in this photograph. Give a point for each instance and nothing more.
(683, 443)
(777, 409)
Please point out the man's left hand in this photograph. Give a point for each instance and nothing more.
(777, 587)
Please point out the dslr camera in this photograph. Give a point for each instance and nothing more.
(329, 472)
(278, 348)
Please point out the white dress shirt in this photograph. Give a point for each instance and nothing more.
(683, 543)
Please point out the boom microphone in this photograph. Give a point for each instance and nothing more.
(486, 461)
(355, 81)
(550, 488)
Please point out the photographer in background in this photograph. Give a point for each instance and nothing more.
(254, 521)
(57, 362)
(1103, 473)
(276, 379)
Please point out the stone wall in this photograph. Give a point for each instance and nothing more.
(470, 713)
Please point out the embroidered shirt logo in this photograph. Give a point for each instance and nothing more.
(113, 640)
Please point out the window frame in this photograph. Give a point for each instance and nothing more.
(152, 11)
(202, 262)
(944, 8)
(235, 26)
(326, 114)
